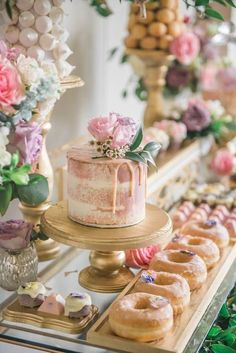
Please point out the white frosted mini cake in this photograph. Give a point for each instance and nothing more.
(105, 187)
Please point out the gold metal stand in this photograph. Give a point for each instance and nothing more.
(107, 272)
(47, 249)
(156, 65)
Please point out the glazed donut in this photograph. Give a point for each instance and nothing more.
(179, 218)
(210, 229)
(203, 247)
(230, 225)
(169, 285)
(223, 209)
(141, 316)
(182, 262)
(205, 207)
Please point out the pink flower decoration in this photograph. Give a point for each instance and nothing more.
(11, 87)
(177, 131)
(208, 77)
(137, 258)
(8, 53)
(15, 234)
(185, 47)
(120, 129)
(102, 127)
(223, 162)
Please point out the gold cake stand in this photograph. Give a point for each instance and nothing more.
(107, 272)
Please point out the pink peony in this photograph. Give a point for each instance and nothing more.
(223, 162)
(120, 129)
(197, 116)
(185, 47)
(227, 78)
(15, 234)
(11, 87)
(27, 140)
(102, 127)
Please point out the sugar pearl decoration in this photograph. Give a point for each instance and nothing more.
(28, 37)
(12, 34)
(56, 14)
(26, 19)
(60, 33)
(64, 68)
(24, 5)
(62, 51)
(36, 52)
(47, 42)
(58, 2)
(43, 24)
(42, 7)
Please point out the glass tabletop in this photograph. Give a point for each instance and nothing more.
(61, 275)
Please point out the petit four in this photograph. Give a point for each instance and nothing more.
(31, 294)
(53, 304)
(77, 305)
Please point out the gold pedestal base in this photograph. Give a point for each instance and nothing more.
(47, 249)
(92, 279)
(107, 273)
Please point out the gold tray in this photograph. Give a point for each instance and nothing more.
(184, 325)
(17, 313)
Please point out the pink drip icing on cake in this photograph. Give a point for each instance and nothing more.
(105, 192)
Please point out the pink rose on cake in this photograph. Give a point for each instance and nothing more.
(185, 47)
(119, 129)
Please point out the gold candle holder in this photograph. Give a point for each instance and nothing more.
(47, 249)
(156, 65)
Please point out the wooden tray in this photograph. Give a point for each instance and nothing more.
(185, 324)
(17, 313)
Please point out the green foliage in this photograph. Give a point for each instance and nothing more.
(5, 197)
(35, 192)
(142, 155)
(221, 338)
(38, 234)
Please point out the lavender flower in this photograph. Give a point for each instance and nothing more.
(27, 140)
(177, 77)
(15, 234)
(197, 117)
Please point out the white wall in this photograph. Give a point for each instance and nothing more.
(91, 38)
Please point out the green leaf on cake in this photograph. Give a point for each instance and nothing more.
(213, 13)
(148, 157)
(134, 156)
(152, 146)
(137, 140)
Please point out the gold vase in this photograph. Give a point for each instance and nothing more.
(47, 249)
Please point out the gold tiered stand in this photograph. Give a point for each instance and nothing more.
(156, 64)
(107, 272)
(47, 249)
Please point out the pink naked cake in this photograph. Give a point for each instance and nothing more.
(107, 178)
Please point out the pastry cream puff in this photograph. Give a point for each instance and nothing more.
(157, 29)
(78, 305)
(31, 294)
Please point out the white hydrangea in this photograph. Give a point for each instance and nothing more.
(49, 68)
(4, 132)
(216, 108)
(29, 70)
(158, 136)
(5, 157)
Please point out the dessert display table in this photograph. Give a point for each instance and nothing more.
(107, 257)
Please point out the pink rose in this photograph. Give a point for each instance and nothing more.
(123, 135)
(185, 47)
(102, 127)
(177, 131)
(223, 162)
(11, 87)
